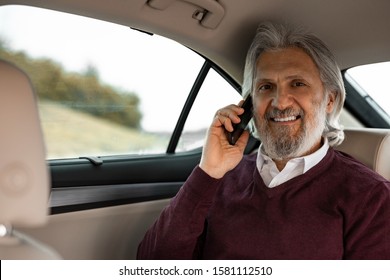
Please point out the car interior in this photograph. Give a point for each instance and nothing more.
(78, 202)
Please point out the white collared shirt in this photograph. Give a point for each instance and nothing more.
(294, 167)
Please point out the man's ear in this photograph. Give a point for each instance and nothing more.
(330, 104)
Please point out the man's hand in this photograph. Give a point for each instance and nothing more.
(218, 155)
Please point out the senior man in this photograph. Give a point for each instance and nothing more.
(297, 198)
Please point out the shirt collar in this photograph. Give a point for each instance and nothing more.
(309, 161)
(314, 158)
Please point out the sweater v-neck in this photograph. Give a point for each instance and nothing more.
(295, 182)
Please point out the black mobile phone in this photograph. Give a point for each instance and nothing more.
(238, 128)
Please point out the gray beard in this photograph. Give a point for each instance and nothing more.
(281, 144)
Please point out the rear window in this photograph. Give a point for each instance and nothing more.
(371, 81)
(106, 89)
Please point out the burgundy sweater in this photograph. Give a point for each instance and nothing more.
(339, 209)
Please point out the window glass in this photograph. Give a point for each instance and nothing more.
(214, 94)
(103, 88)
(371, 81)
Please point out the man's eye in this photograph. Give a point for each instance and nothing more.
(265, 87)
(298, 84)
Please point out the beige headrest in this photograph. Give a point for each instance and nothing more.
(24, 177)
(370, 146)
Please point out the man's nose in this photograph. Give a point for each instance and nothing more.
(282, 98)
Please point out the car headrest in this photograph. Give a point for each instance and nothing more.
(24, 176)
(370, 146)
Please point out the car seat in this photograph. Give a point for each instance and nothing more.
(370, 146)
(24, 176)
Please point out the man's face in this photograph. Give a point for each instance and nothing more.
(290, 106)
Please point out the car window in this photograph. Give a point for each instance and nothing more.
(104, 88)
(214, 94)
(371, 82)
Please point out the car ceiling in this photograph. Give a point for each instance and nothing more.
(357, 31)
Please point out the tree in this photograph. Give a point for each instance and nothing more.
(84, 92)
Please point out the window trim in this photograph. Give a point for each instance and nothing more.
(175, 137)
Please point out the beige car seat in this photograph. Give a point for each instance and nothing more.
(24, 176)
(370, 146)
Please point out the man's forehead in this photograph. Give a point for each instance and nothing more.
(288, 63)
(285, 74)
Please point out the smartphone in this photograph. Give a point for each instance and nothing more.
(238, 128)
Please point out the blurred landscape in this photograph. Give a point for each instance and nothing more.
(71, 133)
(82, 116)
(84, 92)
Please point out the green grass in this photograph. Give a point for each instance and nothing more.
(69, 133)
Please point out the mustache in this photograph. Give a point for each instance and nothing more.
(288, 112)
